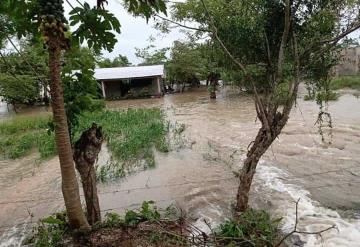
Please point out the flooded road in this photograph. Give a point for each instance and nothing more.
(199, 177)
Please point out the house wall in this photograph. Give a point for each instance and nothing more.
(112, 89)
(119, 89)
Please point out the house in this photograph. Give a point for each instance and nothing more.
(131, 82)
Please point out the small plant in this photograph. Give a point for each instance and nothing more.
(147, 212)
(50, 232)
(252, 228)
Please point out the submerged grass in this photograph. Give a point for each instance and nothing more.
(131, 133)
(130, 136)
(21, 134)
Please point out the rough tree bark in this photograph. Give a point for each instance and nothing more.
(261, 144)
(86, 151)
(70, 187)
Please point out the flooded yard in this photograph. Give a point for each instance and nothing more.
(199, 177)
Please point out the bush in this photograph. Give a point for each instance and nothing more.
(51, 232)
(253, 228)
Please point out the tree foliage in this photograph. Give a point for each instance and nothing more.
(96, 26)
(10, 93)
(119, 61)
(29, 70)
(272, 45)
(187, 61)
(81, 90)
(151, 56)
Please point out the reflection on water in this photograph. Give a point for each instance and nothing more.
(199, 178)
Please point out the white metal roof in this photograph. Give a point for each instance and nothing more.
(129, 72)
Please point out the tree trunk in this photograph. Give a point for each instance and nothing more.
(70, 187)
(259, 147)
(86, 151)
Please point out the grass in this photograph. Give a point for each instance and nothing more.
(352, 82)
(130, 133)
(20, 135)
(130, 137)
(150, 226)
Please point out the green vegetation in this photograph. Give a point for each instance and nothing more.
(16, 73)
(119, 61)
(253, 228)
(22, 134)
(50, 232)
(150, 226)
(130, 137)
(322, 96)
(151, 56)
(352, 82)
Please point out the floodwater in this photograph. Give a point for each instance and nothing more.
(199, 177)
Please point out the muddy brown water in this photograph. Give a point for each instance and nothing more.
(199, 177)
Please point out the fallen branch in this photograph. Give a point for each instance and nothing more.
(295, 230)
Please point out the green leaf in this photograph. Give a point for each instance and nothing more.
(52, 221)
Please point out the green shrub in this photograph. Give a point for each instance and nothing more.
(253, 228)
(50, 232)
(147, 212)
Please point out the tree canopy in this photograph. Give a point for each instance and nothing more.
(119, 61)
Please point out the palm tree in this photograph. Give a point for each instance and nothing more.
(53, 33)
(70, 187)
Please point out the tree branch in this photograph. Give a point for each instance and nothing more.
(293, 85)
(302, 232)
(354, 27)
(331, 42)
(284, 39)
(182, 25)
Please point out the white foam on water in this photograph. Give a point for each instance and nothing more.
(312, 216)
(14, 236)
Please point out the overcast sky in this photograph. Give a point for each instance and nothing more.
(134, 31)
